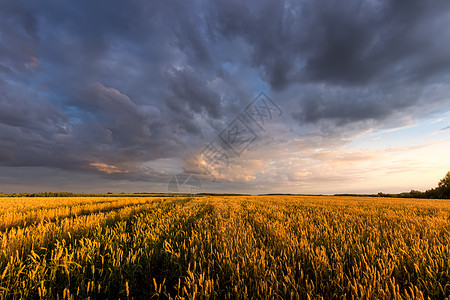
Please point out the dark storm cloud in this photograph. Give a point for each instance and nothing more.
(360, 44)
(373, 51)
(187, 93)
(85, 53)
(351, 43)
(106, 86)
(378, 103)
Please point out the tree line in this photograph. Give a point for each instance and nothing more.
(442, 191)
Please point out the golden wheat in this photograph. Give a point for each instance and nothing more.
(235, 247)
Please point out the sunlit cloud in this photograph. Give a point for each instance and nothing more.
(108, 169)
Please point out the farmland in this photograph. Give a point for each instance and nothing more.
(224, 247)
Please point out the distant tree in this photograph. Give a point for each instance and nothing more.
(443, 189)
(416, 194)
(445, 182)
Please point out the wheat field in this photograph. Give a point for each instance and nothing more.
(224, 247)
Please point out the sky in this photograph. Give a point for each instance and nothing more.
(310, 97)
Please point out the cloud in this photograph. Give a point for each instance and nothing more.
(345, 63)
(108, 169)
(109, 87)
(345, 44)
